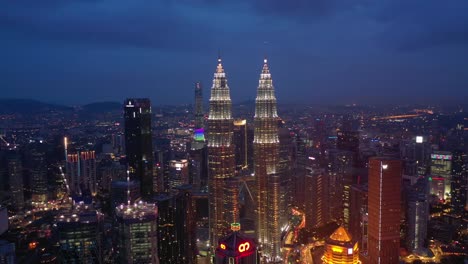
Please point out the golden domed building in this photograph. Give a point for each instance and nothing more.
(340, 248)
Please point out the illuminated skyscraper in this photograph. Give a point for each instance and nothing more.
(266, 158)
(441, 174)
(384, 210)
(139, 143)
(137, 233)
(81, 172)
(79, 235)
(221, 160)
(88, 171)
(341, 249)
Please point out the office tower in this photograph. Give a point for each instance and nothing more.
(79, 235)
(15, 179)
(236, 248)
(285, 170)
(266, 158)
(358, 214)
(416, 157)
(38, 178)
(168, 245)
(199, 168)
(241, 144)
(459, 183)
(137, 233)
(316, 201)
(198, 109)
(201, 214)
(340, 165)
(221, 160)
(139, 143)
(178, 173)
(81, 173)
(72, 167)
(441, 174)
(185, 225)
(417, 215)
(88, 172)
(384, 209)
(341, 249)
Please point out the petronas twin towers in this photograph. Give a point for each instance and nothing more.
(223, 186)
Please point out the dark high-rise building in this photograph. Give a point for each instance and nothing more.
(38, 178)
(224, 208)
(236, 248)
(168, 245)
(316, 201)
(284, 167)
(241, 143)
(79, 235)
(88, 171)
(185, 225)
(266, 158)
(340, 165)
(81, 173)
(198, 109)
(137, 233)
(73, 173)
(459, 183)
(348, 140)
(15, 179)
(417, 215)
(138, 143)
(384, 210)
(198, 151)
(178, 173)
(358, 209)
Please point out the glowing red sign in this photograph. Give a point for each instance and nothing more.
(244, 247)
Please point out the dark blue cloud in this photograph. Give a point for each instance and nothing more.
(332, 50)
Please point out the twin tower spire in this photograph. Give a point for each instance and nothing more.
(223, 185)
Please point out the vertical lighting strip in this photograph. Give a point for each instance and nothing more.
(380, 207)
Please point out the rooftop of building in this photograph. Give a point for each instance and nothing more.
(141, 211)
(340, 237)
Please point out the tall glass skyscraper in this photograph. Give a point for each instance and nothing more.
(223, 207)
(139, 143)
(137, 233)
(266, 158)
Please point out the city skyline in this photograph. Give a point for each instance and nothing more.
(100, 51)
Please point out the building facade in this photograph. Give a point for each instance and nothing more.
(139, 143)
(266, 158)
(384, 210)
(223, 208)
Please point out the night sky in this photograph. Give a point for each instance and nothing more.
(320, 51)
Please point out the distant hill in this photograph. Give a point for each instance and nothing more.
(102, 107)
(29, 106)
